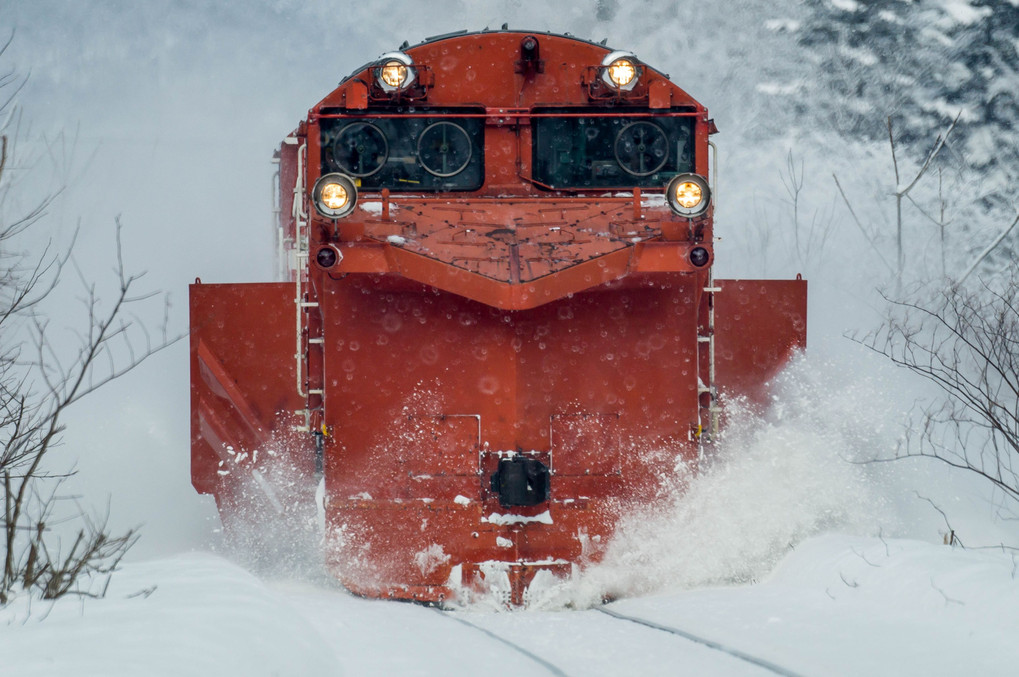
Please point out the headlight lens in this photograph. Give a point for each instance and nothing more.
(688, 195)
(334, 195)
(620, 71)
(395, 72)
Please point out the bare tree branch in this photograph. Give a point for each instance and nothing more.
(966, 342)
(39, 381)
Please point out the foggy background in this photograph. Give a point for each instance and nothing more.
(166, 115)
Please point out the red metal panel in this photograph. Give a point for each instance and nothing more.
(585, 444)
(243, 387)
(288, 153)
(759, 325)
(420, 383)
(659, 94)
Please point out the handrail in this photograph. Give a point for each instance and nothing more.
(300, 252)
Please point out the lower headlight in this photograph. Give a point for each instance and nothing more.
(334, 195)
(688, 195)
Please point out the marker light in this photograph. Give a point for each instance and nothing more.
(620, 71)
(395, 72)
(327, 257)
(699, 257)
(688, 195)
(334, 195)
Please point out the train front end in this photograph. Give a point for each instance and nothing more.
(499, 331)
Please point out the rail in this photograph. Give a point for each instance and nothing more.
(552, 669)
(711, 644)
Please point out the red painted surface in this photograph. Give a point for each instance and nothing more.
(242, 388)
(458, 328)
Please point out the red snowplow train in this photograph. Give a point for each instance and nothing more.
(498, 330)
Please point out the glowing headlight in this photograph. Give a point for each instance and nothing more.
(395, 72)
(620, 70)
(334, 195)
(688, 195)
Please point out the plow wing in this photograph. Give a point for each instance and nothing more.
(759, 325)
(243, 394)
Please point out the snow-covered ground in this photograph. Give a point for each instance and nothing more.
(836, 605)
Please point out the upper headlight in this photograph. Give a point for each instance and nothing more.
(395, 71)
(688, 195)
(620, 70)
(334, 195)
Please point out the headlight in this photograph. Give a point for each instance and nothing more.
(688, 195)
(395, 71)
(334, 195)
(620, 71)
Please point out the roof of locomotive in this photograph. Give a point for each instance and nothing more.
(680, 97)
(505, 30)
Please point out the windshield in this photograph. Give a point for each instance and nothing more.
(426, 152)
(580, 148)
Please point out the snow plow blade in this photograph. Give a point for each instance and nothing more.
(243, 394)
(759, 326)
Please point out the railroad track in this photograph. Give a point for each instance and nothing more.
(550, 667)
(711, 644)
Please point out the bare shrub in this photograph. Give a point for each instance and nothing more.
(965, 341)
(40, 378)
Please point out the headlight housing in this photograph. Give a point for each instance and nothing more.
(334, 195)
(395, 72)
(688, 195)
(620, 71)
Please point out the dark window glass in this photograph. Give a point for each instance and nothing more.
(432, 153)
(610, 151)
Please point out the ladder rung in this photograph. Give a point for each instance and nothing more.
(317, 340)
(316, 392)
(703, 339)
(309, 304)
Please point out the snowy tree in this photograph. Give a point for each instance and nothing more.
(923, 64)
